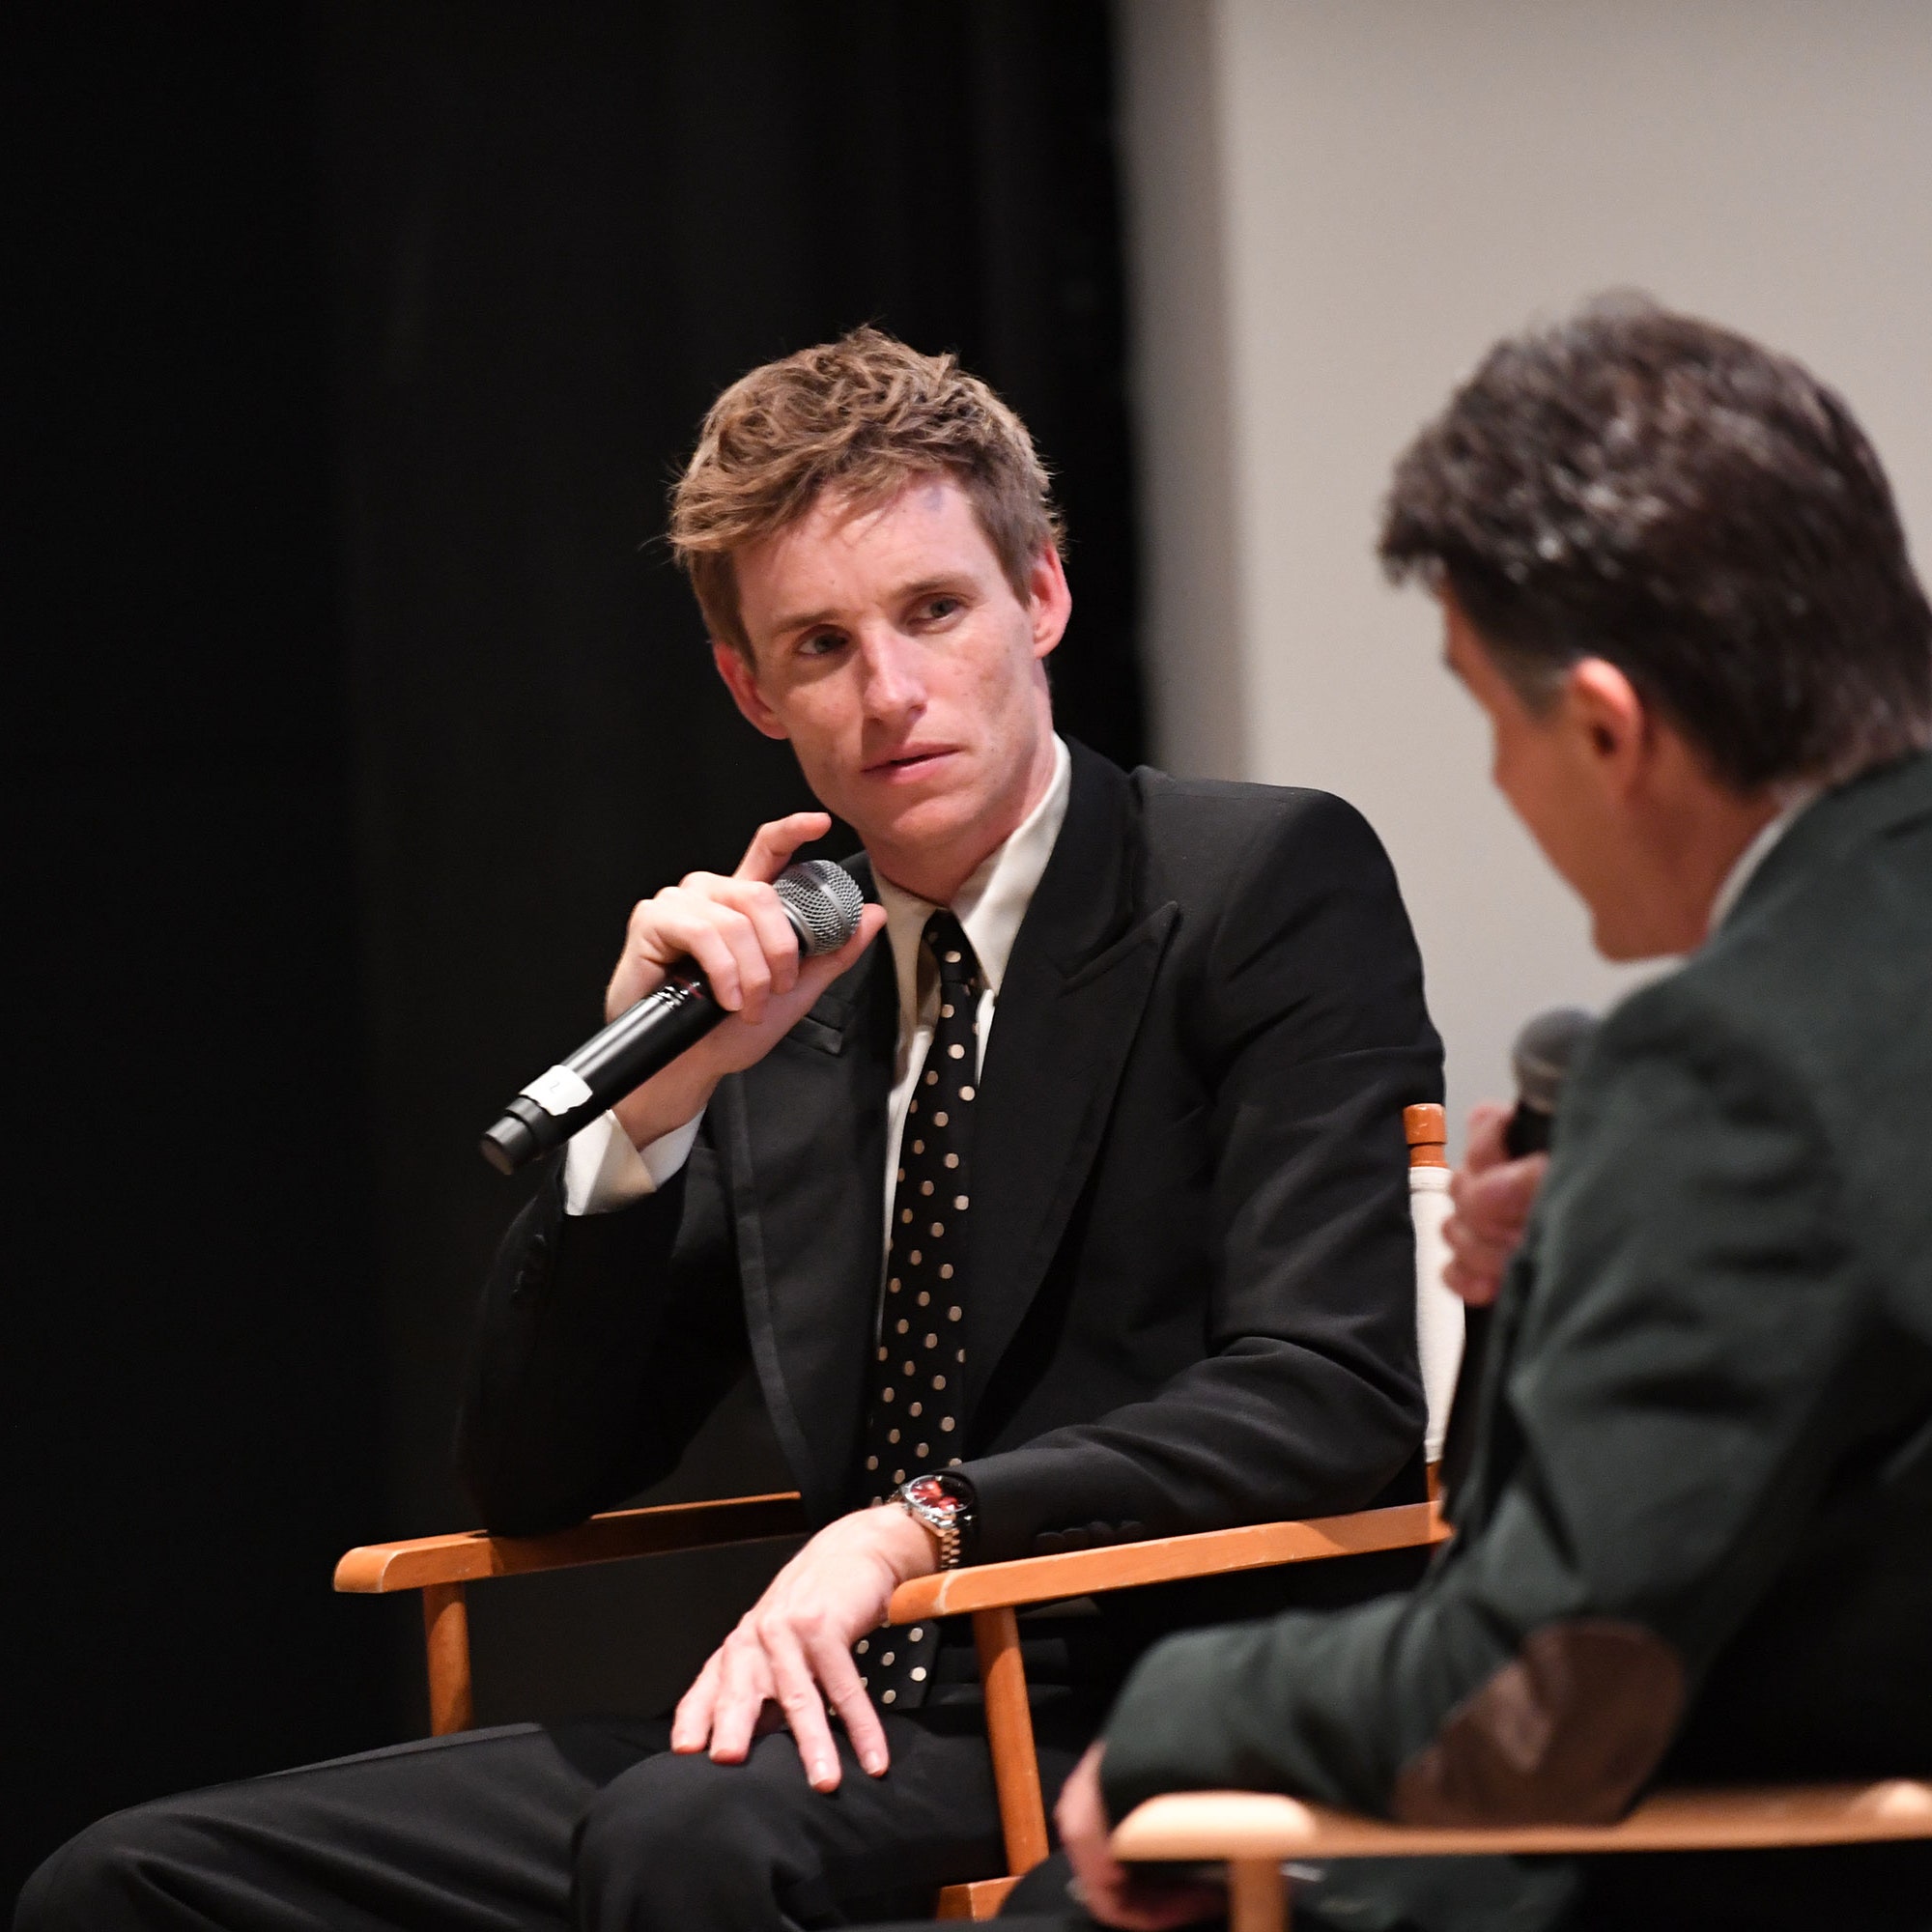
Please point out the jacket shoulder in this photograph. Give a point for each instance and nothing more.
(1204, 831)
(1814, 1001)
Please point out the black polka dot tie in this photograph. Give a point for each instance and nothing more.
(913, 1418)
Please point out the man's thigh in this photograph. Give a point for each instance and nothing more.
(680, 1841)
(450, 1834)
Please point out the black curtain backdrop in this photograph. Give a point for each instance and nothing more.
(361, 703)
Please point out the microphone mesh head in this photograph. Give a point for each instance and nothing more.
(823, 901)
(1544, 1051)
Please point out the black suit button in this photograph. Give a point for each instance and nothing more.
(1100, 1534)
(1048, 1542)
(1133, 1532)
(1075, 1538)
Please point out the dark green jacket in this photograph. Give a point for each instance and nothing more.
(1696, 1540)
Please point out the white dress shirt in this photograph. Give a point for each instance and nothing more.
(603, 1170)
(1747, 863)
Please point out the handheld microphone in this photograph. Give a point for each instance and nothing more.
(824, 904)
(1540, 1059)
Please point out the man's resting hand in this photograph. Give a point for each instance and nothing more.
(792, 1650)
(1110, 1890)
(737, 932)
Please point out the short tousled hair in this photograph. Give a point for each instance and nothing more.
(862, 417)
(1659, 492)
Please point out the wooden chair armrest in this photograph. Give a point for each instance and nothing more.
(1194, 1826)
(1121, 1566)
(426, 1560)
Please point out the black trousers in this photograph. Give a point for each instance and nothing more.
(593, 1825)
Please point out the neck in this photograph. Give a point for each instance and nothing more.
(936, 872)
(1695, 858)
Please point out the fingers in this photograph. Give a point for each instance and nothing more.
(1488, 1120)
(691, 1726)
(798, 1695)
(1491, 1206)
(772, 844)
(838, 1676)
(734, 930)
(773, 939)
(745, 1683)
(1495, 1206)
(1111, 1892)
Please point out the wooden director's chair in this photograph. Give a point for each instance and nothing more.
(1254, 1832)
(441, 1567)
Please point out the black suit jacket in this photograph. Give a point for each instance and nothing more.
(1192, 1288)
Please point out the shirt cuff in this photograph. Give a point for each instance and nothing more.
(602, 1171)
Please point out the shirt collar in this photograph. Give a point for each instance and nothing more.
(1745, 867)
(993, 902)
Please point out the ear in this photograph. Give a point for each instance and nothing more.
(740, 680)
(1050, 600)
(1613, 729)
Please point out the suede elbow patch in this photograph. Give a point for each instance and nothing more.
(1564, 1733)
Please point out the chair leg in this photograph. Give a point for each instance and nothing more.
(446, 1640)
(1256, 1896)
(996, 1634)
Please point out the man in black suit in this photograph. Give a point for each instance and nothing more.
(1691, 1544)
(1073, 1209)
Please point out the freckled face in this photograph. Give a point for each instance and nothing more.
(890, 649)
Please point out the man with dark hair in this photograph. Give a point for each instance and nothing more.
(1066, 1204)
(1693, 1543)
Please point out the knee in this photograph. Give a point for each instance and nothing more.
(671, 1805)
(95, 1883)
(674, 1830)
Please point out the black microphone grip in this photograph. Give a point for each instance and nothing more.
(642, 1038)
(824, 904)
(1527, 1131)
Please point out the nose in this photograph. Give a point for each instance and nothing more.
(895, 674)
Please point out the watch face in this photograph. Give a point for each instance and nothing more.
(930, 1493)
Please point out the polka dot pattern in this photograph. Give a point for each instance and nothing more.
(937, 1162)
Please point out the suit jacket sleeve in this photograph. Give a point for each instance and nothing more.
(1653, 1441)
(604, 1342)
(1308, 1020)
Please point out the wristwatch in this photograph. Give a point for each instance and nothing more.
(946, 1505)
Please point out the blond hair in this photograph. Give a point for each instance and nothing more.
(861, 417)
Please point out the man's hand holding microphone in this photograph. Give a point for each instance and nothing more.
(736, 932)
(1491, 1194)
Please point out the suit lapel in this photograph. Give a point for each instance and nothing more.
(1069, 1006)
(805, 1142)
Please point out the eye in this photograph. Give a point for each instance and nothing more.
(820, 644)
(936, 610)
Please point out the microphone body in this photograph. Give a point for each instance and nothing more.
(823, 902)
(1540, 1059)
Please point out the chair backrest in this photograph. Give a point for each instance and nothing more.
(1438, 1314)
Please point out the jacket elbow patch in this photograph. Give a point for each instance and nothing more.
(1564, 1733)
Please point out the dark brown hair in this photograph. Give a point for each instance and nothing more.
(1654, 490)
(861, 416)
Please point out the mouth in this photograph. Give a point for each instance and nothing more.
(912, 764)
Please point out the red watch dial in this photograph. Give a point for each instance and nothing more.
(929, 1492)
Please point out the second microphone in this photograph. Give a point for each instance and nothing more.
(824, 904)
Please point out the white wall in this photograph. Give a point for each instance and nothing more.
(1334, 207)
